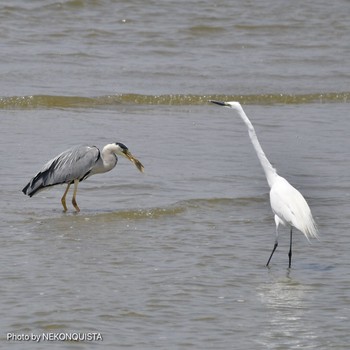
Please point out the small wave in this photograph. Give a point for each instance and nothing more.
(154, 213)
(214, 202)
(49, 101)
(44, 101)
(151, 213)
(182, 206)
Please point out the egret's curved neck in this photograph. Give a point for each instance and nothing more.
(270, 171)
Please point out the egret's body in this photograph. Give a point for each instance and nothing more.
(287, 203)
(77, 164)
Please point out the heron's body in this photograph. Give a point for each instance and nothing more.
(77, 164)
(287, 203)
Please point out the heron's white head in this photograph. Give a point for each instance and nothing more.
(121, 150)
(233, 104)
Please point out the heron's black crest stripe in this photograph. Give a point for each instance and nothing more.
(121, 145)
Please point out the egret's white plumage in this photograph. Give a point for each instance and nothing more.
(291, 208)
(77, 164)
(287, 203)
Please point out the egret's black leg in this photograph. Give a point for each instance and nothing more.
(273, 250)
(290, 248)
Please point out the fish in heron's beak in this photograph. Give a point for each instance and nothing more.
(134, 160)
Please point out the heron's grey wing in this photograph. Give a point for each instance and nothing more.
(74, 163)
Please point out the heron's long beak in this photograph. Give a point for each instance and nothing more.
(134, 160)
(219, 103)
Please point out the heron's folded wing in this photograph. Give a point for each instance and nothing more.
(74, 163)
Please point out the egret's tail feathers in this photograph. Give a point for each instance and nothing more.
(310, 229)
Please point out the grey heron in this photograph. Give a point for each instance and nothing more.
(77, 164)
(287, 203)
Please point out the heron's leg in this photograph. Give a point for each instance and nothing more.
(290, 248)
(63, 199)
(74, 202)
(277, 221)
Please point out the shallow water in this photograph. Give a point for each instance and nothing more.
(175, 257)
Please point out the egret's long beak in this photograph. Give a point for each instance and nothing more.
(219, 103)
(134, 160)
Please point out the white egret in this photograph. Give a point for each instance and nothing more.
(287, 203)
(77, 164)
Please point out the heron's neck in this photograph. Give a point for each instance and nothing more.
(109, 158)
(270, 171)
(107, 161)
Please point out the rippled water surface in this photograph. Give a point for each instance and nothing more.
(175, 258)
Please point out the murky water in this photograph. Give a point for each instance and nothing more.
(175, 257)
